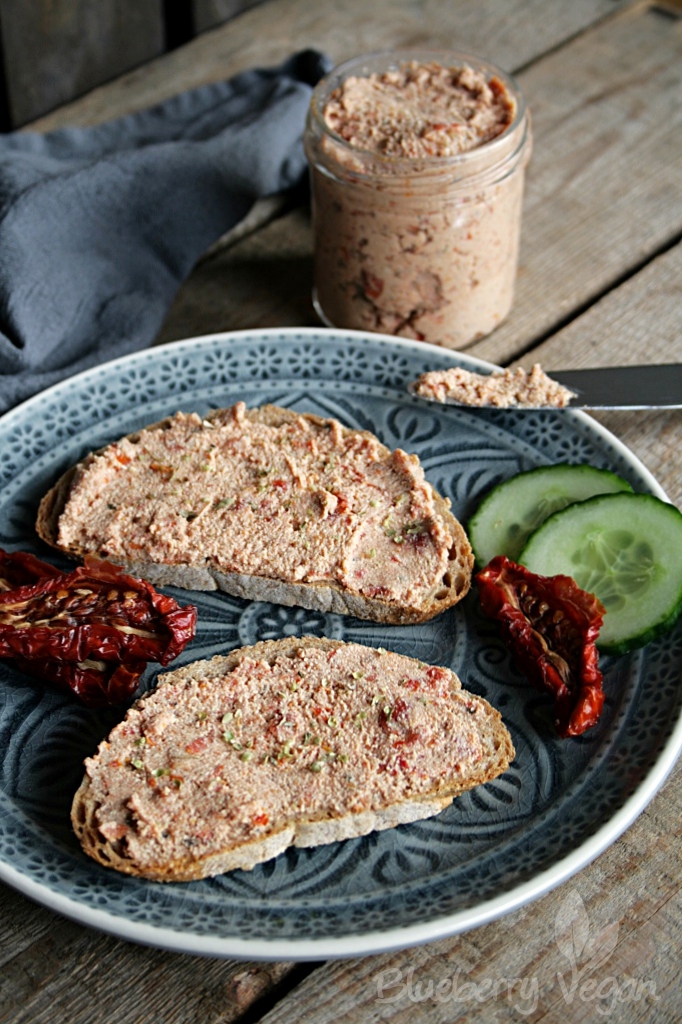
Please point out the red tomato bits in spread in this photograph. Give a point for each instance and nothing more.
(417, 181)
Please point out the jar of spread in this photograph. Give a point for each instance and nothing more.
(417, 165)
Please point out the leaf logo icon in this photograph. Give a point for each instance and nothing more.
(572, 934)
(572, 927)
(600, 948)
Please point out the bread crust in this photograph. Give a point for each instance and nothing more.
(302, 833)
(316, 596)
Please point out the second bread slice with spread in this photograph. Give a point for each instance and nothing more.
(267, 504)
(290, 742)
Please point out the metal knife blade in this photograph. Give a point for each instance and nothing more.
(614, 387)
(624, 387)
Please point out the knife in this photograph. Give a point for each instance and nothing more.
(624, 387)
(619, 387)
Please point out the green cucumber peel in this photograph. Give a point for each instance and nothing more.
(511, 512)
(626, 549)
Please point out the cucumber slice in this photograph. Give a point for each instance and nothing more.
(516, 508)
(626, 549)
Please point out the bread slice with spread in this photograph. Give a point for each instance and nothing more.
(271, 505)
(291, 742)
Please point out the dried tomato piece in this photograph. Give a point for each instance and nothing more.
(91, 631)
(96, 611)
(19, 568)
(372, 285)
(550, 626)
(97, 684)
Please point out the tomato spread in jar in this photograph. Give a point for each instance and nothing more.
(417, 169)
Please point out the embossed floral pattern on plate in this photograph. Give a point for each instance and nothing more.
(552, 811)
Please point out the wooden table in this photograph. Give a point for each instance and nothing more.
(600, 283)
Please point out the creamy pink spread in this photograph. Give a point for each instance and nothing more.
(406, 241)
(300, 502)
(518, 388)
(420, 110)
(219, 760)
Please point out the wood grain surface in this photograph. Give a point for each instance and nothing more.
(53, 50)
(54, 971)
(210, 13)
(509, 970)
(639, 322)
(510, 32)
(600, 284)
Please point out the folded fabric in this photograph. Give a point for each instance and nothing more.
(99, 226)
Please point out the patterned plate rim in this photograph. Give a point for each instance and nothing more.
(370, 942)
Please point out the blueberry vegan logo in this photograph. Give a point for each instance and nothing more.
(584, 981)
(394, 985)
(587, 954)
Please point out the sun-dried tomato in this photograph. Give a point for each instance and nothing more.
(372, 285)
(91, 630)
(18, 568)
(550, 626)
(96, 611)
(97, 684)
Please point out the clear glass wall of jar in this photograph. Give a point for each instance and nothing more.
(425, 247)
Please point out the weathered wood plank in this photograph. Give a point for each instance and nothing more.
(637, 323)
(595, 209)
(510, 33)
(21, 924)
(263, 281)
(210, 13)
(486, 973)
(60, 971)
(605, 180)
(55, 50)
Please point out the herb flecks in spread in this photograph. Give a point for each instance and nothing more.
(417, 183)
(519, 388)
(303, 501)
(214, 761)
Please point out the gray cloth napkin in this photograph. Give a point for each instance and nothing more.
(99, 226)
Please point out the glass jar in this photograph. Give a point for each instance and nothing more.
(423, 247)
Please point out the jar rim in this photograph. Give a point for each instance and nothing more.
(428, 165)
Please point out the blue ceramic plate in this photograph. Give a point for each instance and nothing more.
(559, 805)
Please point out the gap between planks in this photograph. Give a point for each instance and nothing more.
(576, 315)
